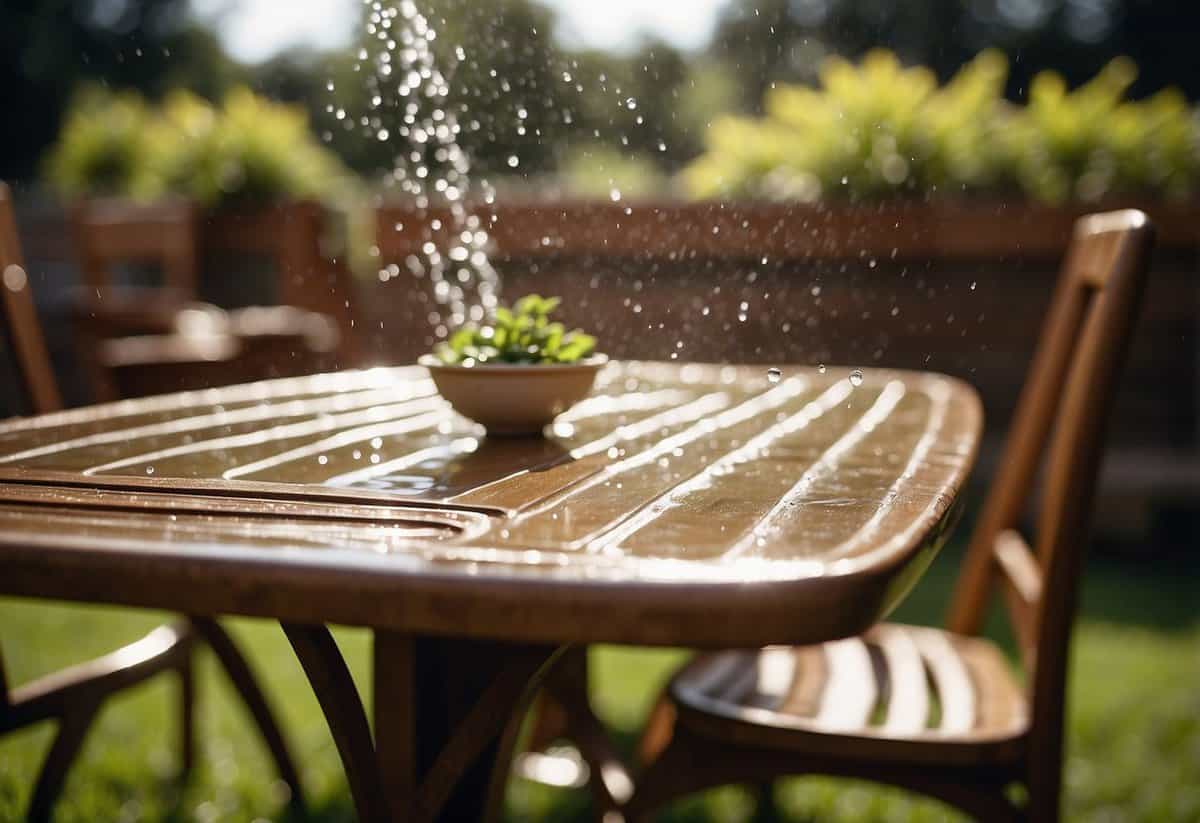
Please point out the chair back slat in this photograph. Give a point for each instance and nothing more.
(111, 233)
(18, 318)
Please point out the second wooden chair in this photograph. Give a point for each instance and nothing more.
(938, 711)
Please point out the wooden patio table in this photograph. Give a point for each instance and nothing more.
(694, 505)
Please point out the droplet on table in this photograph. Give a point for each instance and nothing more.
(856, 377)
(773, 375)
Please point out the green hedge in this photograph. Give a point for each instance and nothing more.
(879, 129)
(248, 149)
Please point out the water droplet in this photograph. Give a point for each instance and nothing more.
(615, 195)
(149, 470)
(513, 161)
(773, 375)
(856, 377)
(631, 103)
(820, 368)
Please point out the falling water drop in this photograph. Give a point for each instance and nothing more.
(513, 161)
(773, 375)
(856, 377)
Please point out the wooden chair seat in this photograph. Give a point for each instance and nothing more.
(898, 693)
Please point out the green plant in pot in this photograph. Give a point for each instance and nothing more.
(518, 372)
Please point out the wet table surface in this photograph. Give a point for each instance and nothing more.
(687, 505)
(772, 493)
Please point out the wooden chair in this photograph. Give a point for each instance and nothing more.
(111, 234)
(74, 696)
(939, 711)
(290, 236)
(136, 341)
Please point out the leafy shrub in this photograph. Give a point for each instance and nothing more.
(870, 130)
(1090, 142)
(103, 146)
(523, 334)
(599, 171)
(878, 130)
(249, 149)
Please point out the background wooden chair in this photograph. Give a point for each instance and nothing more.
(940, 711)
(290, 236)
(150, 338)
(154, 246)
(74, 696)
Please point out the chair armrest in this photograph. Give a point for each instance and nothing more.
(52, 695)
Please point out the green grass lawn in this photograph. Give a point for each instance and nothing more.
(1134, 719)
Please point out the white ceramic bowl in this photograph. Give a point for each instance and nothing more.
(514, 399)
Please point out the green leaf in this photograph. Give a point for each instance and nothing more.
(523, 333)
(462, 338)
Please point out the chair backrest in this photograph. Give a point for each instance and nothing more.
(290, 235)
(18, 317)
(1057, 435)
(108, 234)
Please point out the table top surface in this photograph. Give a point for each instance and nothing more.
(803, 502)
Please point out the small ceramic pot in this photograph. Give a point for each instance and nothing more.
(514, 399)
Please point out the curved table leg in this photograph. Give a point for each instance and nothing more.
(331, 682)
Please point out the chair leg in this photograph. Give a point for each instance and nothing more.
(684, 764)
(72, 730)
(243, 680)
(565, 710)
(187, 716)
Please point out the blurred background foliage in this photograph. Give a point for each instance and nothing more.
(878, 129)
(764, 105)
(247, 149)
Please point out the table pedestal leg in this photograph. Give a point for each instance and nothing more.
(447, 712)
